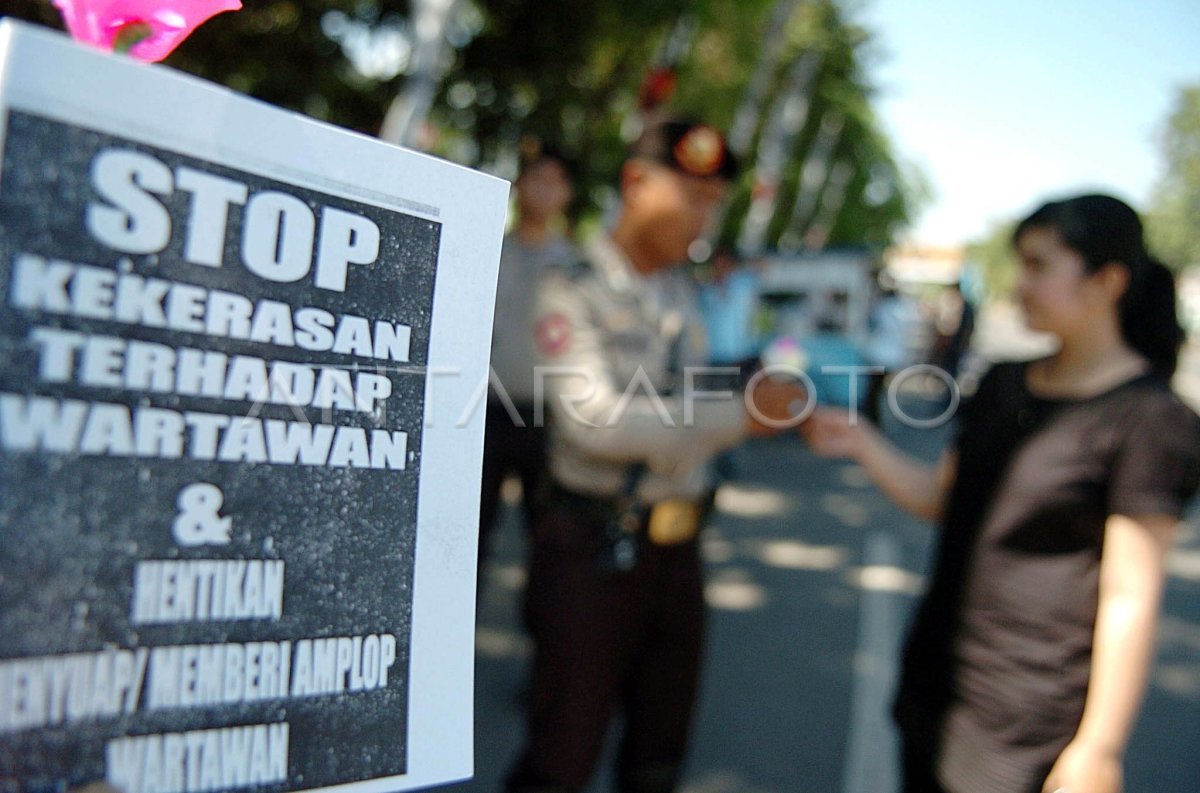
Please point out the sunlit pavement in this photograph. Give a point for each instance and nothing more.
(811, 576)
(1187, 377)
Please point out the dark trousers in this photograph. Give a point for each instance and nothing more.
(606, 642)
(509, 448)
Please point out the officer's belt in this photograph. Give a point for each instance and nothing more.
(668, 522)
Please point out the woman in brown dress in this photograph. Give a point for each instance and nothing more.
(1025, 666)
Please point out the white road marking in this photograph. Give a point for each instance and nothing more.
(871, 754)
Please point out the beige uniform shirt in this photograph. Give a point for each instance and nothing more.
(605, 335)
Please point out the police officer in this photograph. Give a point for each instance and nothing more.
(615, 599)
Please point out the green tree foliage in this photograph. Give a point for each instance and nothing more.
(570, 72)
(996, 260)
(878, 199)
(1173, 220)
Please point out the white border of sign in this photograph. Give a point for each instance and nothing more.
(45, 73)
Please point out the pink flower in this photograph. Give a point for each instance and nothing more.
(168, 22)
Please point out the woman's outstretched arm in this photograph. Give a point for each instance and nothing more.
(915, 487)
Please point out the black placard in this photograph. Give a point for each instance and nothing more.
(85, 506)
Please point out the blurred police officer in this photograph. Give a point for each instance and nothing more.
(615, 598)
(514, 441)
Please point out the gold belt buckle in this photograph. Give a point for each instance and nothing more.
(673, 521)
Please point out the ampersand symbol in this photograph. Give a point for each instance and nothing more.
(198, 521)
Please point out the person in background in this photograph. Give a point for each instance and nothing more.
(615, 598)
(1026, 663)
(889, 343)
(514, 440)
(954, 326)
(729, 302)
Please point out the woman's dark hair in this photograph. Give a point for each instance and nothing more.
(1103, 229)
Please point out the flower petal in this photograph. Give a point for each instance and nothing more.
(97, 22)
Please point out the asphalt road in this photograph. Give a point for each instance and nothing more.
(811, 576)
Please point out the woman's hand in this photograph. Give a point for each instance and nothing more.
(916, 487)
(830, 433)
(1085, 768)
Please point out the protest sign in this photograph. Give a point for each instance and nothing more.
(237, 543)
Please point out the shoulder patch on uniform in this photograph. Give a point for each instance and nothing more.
(552, 334)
